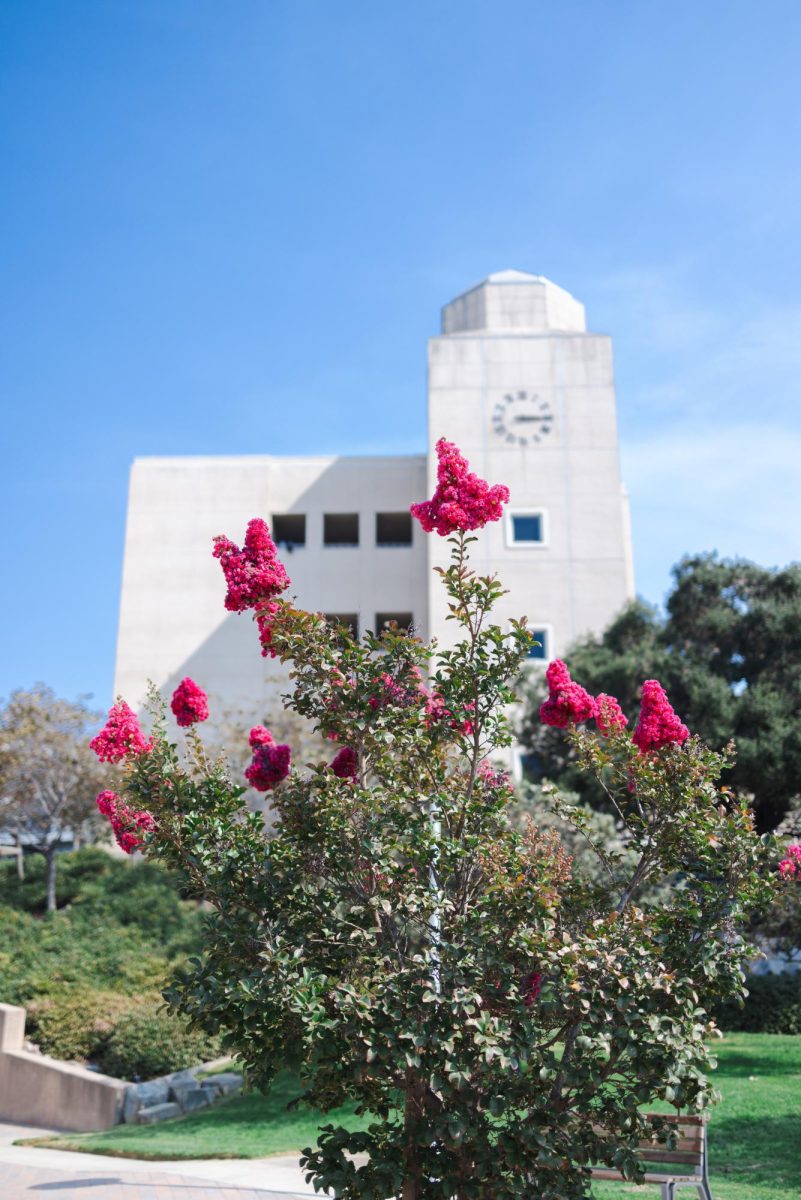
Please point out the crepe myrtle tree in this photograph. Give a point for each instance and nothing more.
(501, 1022)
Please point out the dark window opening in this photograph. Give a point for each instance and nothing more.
(539, 647)
(393, 529)
(349, 621)
(289, 530)
(341, 529)
(527, 527)
(531, 767)
(403, 621)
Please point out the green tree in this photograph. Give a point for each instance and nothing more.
(502, 1020)
(728, 651)
(48, 776)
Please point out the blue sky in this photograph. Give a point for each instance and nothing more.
(220, 217)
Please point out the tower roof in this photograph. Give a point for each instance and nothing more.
(514, 302)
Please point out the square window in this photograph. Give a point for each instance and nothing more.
(540, 650)
(349, 621)
(393, 529)
(527, 528)
(530, 766)
(341, 529)
(403, 620)
(289, 529)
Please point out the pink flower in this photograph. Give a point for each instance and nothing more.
(461, 501)
(254, 574)
(790, 867)
(568, 702)
(120, 736)
(610, 715)
(264, 623)
(124, 823)
(189, 703)
(491, 777)
(658, 725)
(270, 762)
(532, 986)
(260, 736)
(107, 802)
(344, 763)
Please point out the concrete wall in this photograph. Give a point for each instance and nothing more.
(172, 619)
(37, 1090)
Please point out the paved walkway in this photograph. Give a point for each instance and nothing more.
(29, 1173)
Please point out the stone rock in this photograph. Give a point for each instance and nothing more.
(156, 1113)
(131, 1104)
(197, 1098)
(186, 1073)
(181, 1088)
(157, 1091)
(225, 1082)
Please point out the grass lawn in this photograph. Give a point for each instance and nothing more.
(754, 1136)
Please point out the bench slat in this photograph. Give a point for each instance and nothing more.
(651, 1153)
(649, 1177)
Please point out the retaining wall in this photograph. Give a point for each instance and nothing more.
(37, 1090)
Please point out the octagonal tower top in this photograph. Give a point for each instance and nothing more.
(514, 302)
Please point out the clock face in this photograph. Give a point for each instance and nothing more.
(522, 418)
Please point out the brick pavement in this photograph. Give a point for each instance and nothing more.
(23, 1182)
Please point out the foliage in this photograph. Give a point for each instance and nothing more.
(773, 1005)
(81, 972)
(48, 776)
(149, 1041)
(753, 1135)
(502, 1020)
(728, 652)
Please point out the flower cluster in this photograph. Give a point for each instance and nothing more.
(610, 715)
(254, 574)
(658, 725)
(128, 826)
(532, 986)
(492, 778)
(567, 701)
(344, 763)
(264, 623)
(189, 703)
(120, 736)
(436, 711)
(461, 500)
(393, 694)
(270, 762)
(790, 867)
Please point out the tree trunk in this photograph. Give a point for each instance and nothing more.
(412, 1175)
(50, 859)
(20, 861)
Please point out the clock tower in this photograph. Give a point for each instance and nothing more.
(528, 395)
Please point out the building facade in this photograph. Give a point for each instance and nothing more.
(517, 382)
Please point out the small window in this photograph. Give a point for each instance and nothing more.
(349, 621)
(341, 529)
(526, 528)
(289, 530)
(403, 621)
(539, 647)
(529, 766)
(393, 529)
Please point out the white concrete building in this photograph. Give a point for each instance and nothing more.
(526, 393)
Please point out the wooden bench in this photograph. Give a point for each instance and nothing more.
(685, 1166)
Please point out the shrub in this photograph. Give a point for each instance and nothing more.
(77, 1022)
(773, 1005)
(147, 1041)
